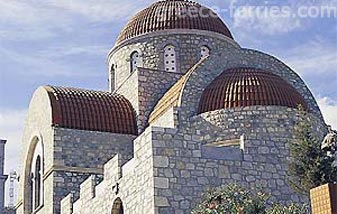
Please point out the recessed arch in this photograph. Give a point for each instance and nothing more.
(112, 76)
(33, 175)
(117, 207)
(135, 61)
(37, 182)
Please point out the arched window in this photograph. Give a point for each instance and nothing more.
(170, 58)
(134, 61)
(112, 77)
(31, 190)
(204, 52)
(117, 207)
(37, 182)
(36, 177)
(113, 69)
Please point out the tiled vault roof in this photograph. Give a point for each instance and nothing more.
(173, 14)
(91, 110)
(240, 87)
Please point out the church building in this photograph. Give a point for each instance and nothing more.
(188, 108)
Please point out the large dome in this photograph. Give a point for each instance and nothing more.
(172, 14)
(241, 87)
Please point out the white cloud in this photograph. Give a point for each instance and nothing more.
(27, 20)
(329, 109)
(254, 19)
(11, 129)
(315, 57)
(50, 11)
(283, 17)
(101, 10)
(39, 19)
(71, 50)
(19, 12)
(45, 63)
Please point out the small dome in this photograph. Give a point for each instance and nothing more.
(241, 87)
(91, 110)
(171, 14)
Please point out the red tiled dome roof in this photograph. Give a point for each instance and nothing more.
(241, 87)
(91, 110)
(171, 14)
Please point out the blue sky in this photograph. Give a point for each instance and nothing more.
(65, 42)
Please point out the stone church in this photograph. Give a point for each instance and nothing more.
(188, 109)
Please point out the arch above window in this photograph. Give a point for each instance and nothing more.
(36, 175)
(170, 60)
(112, 77)
(135, 61)
(204, 51)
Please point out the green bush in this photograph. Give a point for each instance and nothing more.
(308, 166)
(233, 199)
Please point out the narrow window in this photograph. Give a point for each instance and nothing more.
(31, 190)
(37, 182)
(204, 52)
(117, 207)
(134, 61)
(112, 77)
(170, 58)
(35, 179)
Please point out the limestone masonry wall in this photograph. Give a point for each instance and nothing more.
(187, 44)
(79, 154)
(176, 169)
(267, 132)
(144, 88)
(133, 182)
(211, 68)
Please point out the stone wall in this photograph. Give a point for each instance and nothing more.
(211, 68)
(79, 154)
(187, 44)
(267, 132)
(129, 89)
(153, 82)
(152, 86)
(176, 170)
(37, 128)
(69, 156)
(132, 182)
(89, 149)
(144, 88)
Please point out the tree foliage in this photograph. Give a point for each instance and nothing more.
(233, 199)
(308, 166)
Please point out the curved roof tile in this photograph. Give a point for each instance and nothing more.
(91, 110)
(173, 14)
(241, 87)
